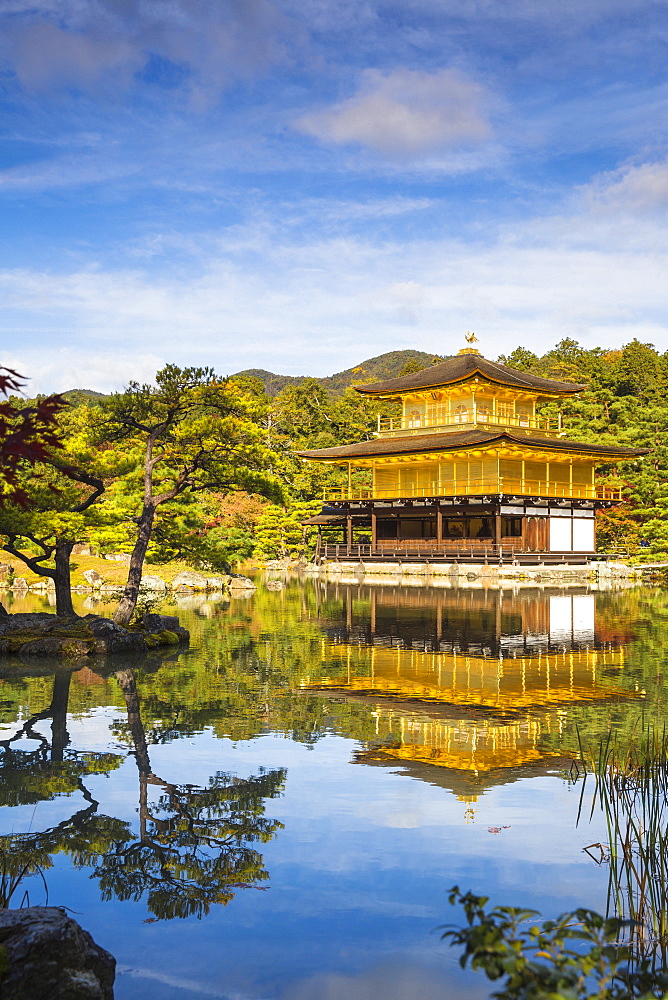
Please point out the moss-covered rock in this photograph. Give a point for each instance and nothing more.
(45, 635)
(54, 646)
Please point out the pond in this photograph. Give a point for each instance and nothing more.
(279, 811)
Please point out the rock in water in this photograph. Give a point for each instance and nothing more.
(164, 623)
(92, 577)
(189, 578)
(241, 583)
(45, 955)
(155, 623)
(153, 583)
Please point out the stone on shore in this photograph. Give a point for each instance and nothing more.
(189, 578)
(155, 583)
(92, 577)
(46, 954)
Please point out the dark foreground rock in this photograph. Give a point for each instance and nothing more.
(45, 955)
(43, 634)
(157, 624)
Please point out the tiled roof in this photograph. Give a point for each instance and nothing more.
(456, 440)
(464, 367)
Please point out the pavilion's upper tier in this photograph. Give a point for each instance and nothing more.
(467, 366)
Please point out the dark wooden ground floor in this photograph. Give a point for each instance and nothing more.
(355, 553)
(497, 529)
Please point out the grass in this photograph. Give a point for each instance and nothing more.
(631, 788)
(112, 572)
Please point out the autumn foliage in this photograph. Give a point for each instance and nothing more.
(27, 434)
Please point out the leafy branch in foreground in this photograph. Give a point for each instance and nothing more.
(28, 435)
(577, 956)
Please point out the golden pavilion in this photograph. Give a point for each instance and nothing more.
(470, 470)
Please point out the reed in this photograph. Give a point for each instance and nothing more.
(631, 788)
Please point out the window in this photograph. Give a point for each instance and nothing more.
(480, 527)
(454, 529)
(415, 418)
(386, 529)
(511, 527)
(484, 412)
(523, 418)
(461, 414)
(417, 528)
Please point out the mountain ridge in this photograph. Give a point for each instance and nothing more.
(376, 369)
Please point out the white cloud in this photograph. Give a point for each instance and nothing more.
(100, 46)
(631, 188)
(64, 171)
(300, 291)
(315, 307)
(58, 369)
(406, 114)
(46, 54)
(392, 980)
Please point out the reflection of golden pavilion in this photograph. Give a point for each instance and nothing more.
(458, 679)
(467, 744)
(438, 704)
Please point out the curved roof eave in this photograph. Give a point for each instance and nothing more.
(464, 367)
(456, 441)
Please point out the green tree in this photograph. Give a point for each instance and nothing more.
(59, 497)
(191, 432)
(279, 532)
(521, 358)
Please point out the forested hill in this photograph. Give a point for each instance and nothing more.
(83, 397)
(387, 365)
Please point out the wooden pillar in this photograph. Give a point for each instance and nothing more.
(350, 481)
(349, 531)
(497, 532)
(439, 526)
(374, 530)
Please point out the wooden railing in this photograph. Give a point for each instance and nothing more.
(465, 548)
(468, 417)
(478, 487)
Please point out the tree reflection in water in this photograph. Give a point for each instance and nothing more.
(192, 849)
(41, 774)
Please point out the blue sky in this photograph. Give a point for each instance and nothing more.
(301, 184)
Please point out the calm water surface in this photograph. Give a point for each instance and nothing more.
(279, 811)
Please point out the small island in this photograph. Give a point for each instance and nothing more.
(41, 634)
